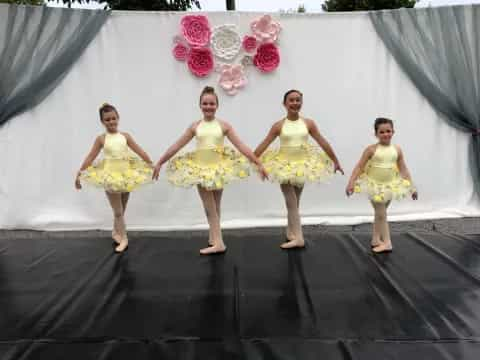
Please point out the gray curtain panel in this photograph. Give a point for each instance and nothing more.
(38, 46)
(439, 50)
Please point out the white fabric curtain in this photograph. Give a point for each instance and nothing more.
(348, 78)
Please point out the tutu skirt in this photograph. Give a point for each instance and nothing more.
(212, 169)
(383, 184)
(118, 175)
(297, 165)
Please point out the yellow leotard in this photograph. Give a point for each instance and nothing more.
(209, 137)
(212, 165)
(119, 170)
(296, 161)
(381, 179)
(383, 164)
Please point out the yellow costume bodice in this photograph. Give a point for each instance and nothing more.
(115, 147)
(383, 164)
(294, 133)
(212, 165)
(119, 171)
(209, 134)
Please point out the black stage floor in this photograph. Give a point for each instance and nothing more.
(70, 297)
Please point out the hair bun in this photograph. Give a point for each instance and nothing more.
(208, 90)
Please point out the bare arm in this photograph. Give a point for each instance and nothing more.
(244, 149)
(402, 168)
(367, 154)
(271, 136)
(137, 149)
(323, 143)
(97, 146)
(235, 140)
(172, 150)
(94, 151)
(180, 143)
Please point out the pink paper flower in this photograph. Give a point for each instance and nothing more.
(249, 43)
(180, 51)
(196, 29)
(200, 61)
(232, 78)
(265, 29)
(267, 57)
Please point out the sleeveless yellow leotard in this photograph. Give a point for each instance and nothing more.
(119, 170)
(212, 165)
(296, 161)
(209, 136)
(381, 179)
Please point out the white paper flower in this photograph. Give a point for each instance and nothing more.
(226, 42)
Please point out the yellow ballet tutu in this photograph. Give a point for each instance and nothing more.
(118, 175)
(297, 165)
(212, 169)
(383, 184)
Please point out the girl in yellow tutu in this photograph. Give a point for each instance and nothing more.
(119, 172)
(296, 161)
(211, 166)
(382, 174)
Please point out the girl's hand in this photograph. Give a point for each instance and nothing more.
(349, 189)
(156, 171)
(415, 195)
(263, 172)
(338, 168)
(78, 185)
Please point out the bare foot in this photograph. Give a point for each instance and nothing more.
(384, 247)
(217, 249)
(122, 246)
(293, 244)
(116, 237)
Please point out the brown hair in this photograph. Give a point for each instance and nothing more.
(289, 92)
(106, 107)
(380, 121)
(208, 90)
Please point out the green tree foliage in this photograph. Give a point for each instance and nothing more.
(23, 2)
(148, 5)
(364, 5)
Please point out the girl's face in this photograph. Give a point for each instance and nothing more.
(110, 121)
(384, 133)
(209, 105)
(293, 103)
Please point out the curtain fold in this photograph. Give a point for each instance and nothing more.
(39, 45)
(439, 50)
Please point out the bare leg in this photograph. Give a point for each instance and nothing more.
(118, 220)
(125, 197)
(215, 233)
(293, 216)
(382, 227)
(217, 194)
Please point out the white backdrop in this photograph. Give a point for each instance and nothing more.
(347, 76)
